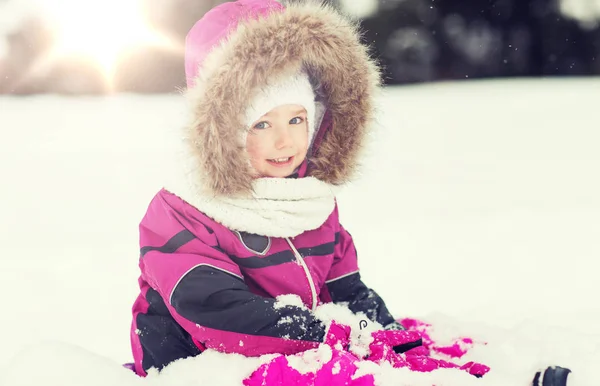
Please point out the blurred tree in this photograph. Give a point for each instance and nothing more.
(566, 47)
(149, 69)
(415, 40)
(174, 18)
(30, 67)
(26, 48)
(74, 75)
(426, 40)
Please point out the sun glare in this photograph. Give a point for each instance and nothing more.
(100, 30)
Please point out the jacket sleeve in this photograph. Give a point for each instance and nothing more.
(206, 294)
(345, 285)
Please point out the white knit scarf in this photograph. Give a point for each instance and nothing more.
(280, 207)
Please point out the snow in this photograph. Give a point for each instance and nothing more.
(360, 336)
(289, 300)
(477, 210)
(310, 361)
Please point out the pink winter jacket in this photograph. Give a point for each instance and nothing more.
(205, 286)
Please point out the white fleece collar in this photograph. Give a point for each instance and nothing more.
(280, 207)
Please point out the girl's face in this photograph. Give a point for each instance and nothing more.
(278, 141)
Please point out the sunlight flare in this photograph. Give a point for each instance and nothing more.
(99, 30)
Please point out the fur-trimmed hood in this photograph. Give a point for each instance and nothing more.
(236, 47)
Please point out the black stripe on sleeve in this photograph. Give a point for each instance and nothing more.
(215, 299)
(174, 243)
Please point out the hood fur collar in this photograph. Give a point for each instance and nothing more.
(310, 36)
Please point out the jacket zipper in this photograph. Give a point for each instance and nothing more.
(311, 283)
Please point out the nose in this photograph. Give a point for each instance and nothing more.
(283, 139)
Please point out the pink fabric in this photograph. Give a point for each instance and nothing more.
(216, 25)
(168, 215)
(340, 370)
(456, 350)
(278, 372)
(382, 348)
(419, 359)
(338, 336)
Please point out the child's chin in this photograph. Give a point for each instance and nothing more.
(281, 174)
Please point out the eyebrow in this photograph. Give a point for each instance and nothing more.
(295, 112)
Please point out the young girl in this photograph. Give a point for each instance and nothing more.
(283, 98)
(282, 101)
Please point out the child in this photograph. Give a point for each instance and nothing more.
(282, 97)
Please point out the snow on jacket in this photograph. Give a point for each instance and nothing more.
(204, 284)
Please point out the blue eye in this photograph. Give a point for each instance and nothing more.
(261, 125)
(296, 121)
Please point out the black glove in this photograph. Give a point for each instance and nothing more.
(552, 376)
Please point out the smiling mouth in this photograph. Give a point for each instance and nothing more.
(285, 161)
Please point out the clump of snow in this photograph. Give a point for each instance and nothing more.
(336, 368)
(312, 360)
(285, 320)
(210, 368)
(54, 364)
(361, 326)
(386, 375)
(289, 300)
(328, 312)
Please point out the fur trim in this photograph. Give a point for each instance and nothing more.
(310, 36)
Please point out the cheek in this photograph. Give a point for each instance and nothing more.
(301, 138)
(253, 145)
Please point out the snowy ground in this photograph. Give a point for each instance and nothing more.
(478, 210)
